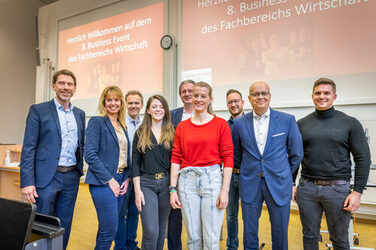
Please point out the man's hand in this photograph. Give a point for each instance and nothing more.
(294, 191)
(352, 202)
(29, 193)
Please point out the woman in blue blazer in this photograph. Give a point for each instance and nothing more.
(107, 153)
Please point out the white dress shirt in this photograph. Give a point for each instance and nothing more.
(261, 127)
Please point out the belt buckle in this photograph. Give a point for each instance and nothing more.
(159, 176)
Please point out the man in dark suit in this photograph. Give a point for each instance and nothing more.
(52, 152)
(178, 115)
(268, 147)
(235, 104)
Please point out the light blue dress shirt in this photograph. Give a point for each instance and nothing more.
(69, 135)
(132, 126)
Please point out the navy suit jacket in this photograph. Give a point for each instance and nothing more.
(102, 151)
(282, 155)
(42, 144)
(176, 116)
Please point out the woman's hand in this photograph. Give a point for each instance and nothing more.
(124, 187)
(222, 200)
(174, 200)
(115, 187)
(139, 199)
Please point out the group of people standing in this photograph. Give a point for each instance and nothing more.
(190, 165)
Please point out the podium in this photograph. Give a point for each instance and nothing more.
(22, 228)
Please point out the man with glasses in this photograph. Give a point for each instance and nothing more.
(235, 104)
(268, 147)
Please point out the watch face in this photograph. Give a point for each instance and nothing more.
(166, 41)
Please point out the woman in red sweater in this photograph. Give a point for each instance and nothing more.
(201, 145)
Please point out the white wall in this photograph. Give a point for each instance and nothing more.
(18, 66)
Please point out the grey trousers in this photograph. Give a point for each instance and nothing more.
(313, 200)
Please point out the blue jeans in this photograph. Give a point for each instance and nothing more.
(313, 200)
(127, 223)
(232, 212)
(278, 216)
(107, 206)
(154, 214)
(58, 199)
(199, 188)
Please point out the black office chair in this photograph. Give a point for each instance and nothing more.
(16, 222)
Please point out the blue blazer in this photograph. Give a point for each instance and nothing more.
(42, 144)
(282, 155)
(102, 151)
(176, 116)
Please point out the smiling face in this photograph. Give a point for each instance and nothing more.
(112, 104)
(323, 96)
(134, 106)
(235, 104)
(156, 110)
(64, 88)
(186, 92)
(259, 97)
(201, 99)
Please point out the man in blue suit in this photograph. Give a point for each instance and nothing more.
(52, 152)
(177, 115)
(268, 147)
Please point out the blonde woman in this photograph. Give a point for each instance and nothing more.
(151, 154)
(201, 145)
(106, 152)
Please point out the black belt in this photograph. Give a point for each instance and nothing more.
(63, 169)
(326, 182)
(156, 176)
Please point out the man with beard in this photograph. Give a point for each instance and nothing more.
(235, 104)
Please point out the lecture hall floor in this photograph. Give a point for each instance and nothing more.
(85, 227)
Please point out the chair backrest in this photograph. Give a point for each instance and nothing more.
(16, 222)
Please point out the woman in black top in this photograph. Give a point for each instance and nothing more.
(150, 167)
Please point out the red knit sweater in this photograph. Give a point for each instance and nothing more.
(203, 145)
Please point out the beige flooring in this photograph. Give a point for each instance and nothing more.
(85, 225)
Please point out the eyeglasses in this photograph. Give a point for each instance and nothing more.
(257, 94)
(236, 101)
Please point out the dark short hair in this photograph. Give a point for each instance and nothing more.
(64, 72)
(231, 91)
(134, 92)
(185, 82)
(324, 81)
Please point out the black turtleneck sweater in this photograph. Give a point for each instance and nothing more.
(329, 136)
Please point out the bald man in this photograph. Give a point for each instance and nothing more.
(268, 147)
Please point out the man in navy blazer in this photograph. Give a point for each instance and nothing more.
(52, 152)
(178, 115)
(268, 147)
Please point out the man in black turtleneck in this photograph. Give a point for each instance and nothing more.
(329, 136)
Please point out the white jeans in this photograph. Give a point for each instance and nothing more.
(199, 188)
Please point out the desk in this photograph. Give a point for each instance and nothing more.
(10, 176)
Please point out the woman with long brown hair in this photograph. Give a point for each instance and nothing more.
(151, 154)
